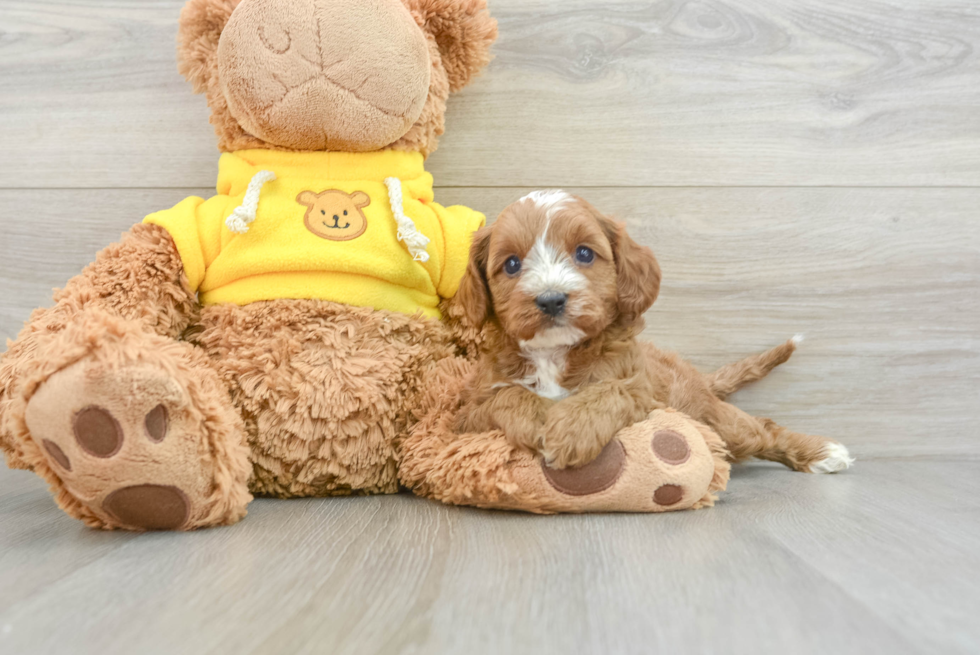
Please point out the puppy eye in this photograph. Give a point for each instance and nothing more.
(345, 212)
(323, 211)
(512, 266)
(584, 255)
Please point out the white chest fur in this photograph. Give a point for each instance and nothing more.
(546, 354)
(548, 366)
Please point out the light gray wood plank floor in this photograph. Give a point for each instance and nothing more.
(802, 166)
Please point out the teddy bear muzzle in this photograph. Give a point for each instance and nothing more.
(324, 74)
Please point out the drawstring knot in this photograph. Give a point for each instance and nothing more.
(415, 241)
(244, 214)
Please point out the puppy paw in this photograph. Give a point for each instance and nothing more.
(566, 442)
(567, 453)
(836, 459)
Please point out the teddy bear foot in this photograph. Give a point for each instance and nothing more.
(665, 463)
(135, 447)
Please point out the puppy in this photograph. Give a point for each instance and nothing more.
(562, 290)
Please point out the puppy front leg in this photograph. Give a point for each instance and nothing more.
(579, 427)
(517, 412)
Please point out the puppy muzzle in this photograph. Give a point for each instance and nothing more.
(552, 303)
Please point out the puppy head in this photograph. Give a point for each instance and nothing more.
(554, 271)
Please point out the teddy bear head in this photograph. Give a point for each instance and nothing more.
(332, 75)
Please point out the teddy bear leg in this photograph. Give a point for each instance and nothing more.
(97, 395)
(137, 432)
(666, 462)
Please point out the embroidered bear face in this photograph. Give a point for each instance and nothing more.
(335, 215)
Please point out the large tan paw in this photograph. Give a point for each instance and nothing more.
(132, 446)
(662, 464)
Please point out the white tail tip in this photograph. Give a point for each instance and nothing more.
(797, 339)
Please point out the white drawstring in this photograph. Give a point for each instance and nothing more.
(415, 241)
(245, 213)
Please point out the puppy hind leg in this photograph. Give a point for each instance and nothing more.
(747, 436)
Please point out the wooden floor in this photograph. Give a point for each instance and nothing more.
(800, 166)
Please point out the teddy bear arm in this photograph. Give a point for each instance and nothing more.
(139, 279)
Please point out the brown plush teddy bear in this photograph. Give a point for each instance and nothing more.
(274, 339)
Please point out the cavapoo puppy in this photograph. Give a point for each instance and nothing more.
(563, 289)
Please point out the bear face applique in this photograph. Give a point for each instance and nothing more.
(334, 214)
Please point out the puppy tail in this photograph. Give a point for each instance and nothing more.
(732, 377)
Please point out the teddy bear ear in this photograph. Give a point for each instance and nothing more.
(307, 198)
(464, 32)
(201, 24)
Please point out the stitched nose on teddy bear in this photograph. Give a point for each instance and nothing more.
(324, 74)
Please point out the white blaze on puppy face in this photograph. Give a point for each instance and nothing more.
(548, 201)
(547, 267)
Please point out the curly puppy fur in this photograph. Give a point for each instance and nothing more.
(564, 289)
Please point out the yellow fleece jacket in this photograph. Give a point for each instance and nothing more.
(325, 225)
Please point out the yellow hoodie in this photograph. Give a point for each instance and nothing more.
(354, 228)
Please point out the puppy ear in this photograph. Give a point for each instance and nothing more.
(201, 24)
(464, 32)
(637, 271)
(474, 291)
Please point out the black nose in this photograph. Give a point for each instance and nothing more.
(552, 303)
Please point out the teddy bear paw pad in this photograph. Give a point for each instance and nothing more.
(598, 475)
(125, 442)
(668, 494)
(671, 447)
(97, 432)
(148, 506)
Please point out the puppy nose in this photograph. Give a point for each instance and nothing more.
(551, 303)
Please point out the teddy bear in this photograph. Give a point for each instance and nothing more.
(293, 335)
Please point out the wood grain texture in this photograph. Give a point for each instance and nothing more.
(884, 283)
(792, 163)
(667, 93)
(882, 559)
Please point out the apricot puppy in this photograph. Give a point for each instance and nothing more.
(563, 289)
